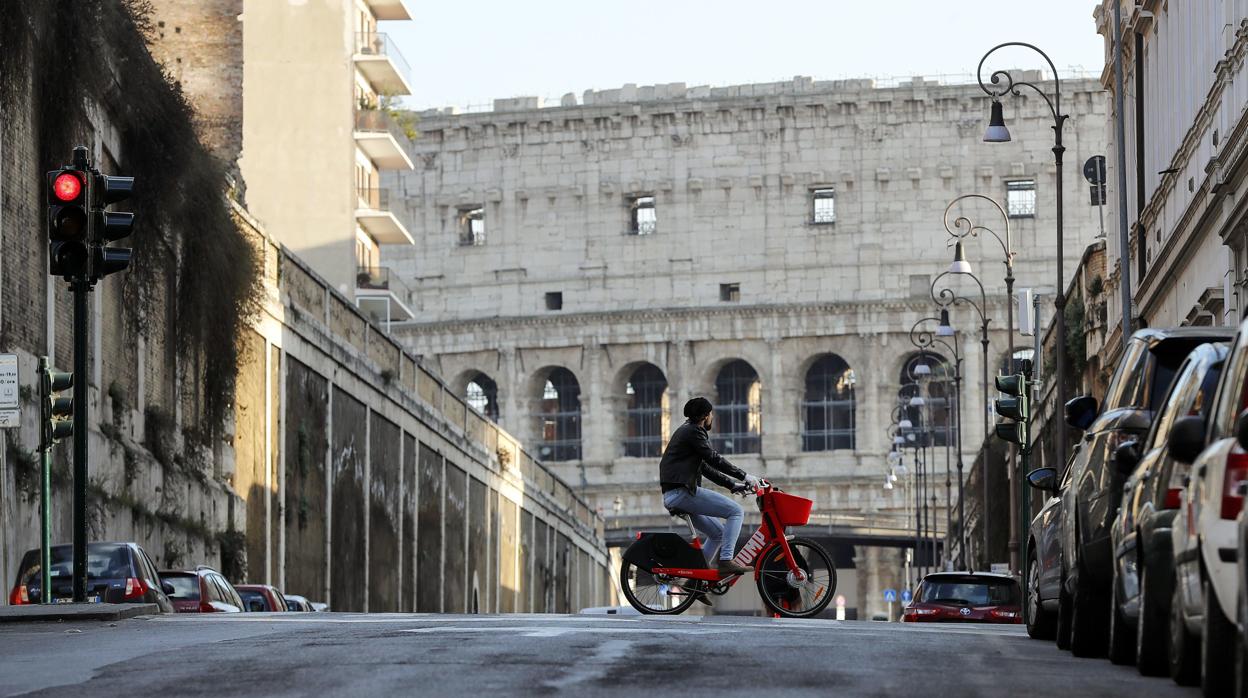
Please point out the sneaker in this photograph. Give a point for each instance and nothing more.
(731, 567)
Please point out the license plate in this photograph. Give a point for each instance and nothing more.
(90, 599)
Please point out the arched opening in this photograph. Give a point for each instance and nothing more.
(646, 415)
(481, 394)
(738, 409)
(933, 420)
(559, 417)
(828, 405)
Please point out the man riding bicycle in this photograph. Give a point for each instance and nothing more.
(687, 457)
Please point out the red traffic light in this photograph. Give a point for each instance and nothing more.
(67, 186)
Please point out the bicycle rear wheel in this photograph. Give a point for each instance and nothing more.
(802, 594)
(656, 594)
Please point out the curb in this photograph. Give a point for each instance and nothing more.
(39, 613)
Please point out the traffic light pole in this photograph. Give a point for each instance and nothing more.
(45, 491)
(81, 289)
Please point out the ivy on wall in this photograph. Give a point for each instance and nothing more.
(194, 276)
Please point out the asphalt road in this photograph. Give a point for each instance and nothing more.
(443, 655)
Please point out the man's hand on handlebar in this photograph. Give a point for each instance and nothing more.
(742, 489)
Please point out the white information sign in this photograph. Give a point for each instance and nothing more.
(10, 419)
(10, 398)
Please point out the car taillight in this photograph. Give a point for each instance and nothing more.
(1236, 473)
(1173, 498)
(19, 596)
(135, 588)
(914, 611)
(1000, 613)
(205, 607)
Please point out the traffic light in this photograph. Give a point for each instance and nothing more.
(1016, 409)
(57, 411)
(67, 222)
(110, 226)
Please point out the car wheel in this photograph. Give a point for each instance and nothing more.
(1063, 618)
(1040, 623)
(1121, 648)
(1151, 631)
(1184, 650)
(1217, 647)
(1087, 620)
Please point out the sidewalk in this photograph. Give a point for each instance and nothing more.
(75, 612)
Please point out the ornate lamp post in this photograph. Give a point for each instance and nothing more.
(961, 228)
(1002, 84)
(927, 342)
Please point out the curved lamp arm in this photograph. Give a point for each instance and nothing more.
(946, 297)
(925, 339)
(957, 232)
(1006, 84)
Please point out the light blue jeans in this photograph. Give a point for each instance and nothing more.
(705, 509)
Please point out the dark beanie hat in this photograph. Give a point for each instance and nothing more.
(697, 408)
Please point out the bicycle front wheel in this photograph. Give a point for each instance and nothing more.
(656, 593)
(800, 593)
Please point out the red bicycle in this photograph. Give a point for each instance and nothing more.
(662, 573)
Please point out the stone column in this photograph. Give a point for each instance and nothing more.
(780, 423)
(596, 421)
(511, 386)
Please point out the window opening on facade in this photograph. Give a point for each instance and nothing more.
(481, 394)
(828, 422)
(730, 293)
(1020, 198)
(559, 417)
(823, 205)
(933, 422)
(472, 226)
(642, 214)
(647, 413)
(554, 300)
(738, 409)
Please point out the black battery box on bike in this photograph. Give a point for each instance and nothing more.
(663, 549)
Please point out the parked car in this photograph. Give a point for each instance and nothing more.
(1071, 542)
(1206, 585)
(116, 573)
(966, 597)
(261, 597)
(294, 602)
(1144, 560)
(202, 590)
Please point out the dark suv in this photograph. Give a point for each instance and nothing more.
(1074, 546)
(116, 573)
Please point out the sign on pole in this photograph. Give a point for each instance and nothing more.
(906, 596)
(10, 393)
(890, 595)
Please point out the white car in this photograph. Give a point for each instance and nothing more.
(1205, 535)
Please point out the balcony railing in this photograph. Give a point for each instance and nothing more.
(378, 121)
(373, 198)
(381, 279)
(379, 44)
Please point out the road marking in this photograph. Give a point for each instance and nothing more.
(551, 631)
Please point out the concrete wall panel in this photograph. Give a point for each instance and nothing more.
(347, 544)
(307, 395)
(455, 522)
(383, 514)
(479, 595)
(407, 552)
(429, 534)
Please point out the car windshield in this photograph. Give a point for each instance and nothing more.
(185, 586)
(967, 591)
(104, 561)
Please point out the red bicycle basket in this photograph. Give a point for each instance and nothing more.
(789, 509)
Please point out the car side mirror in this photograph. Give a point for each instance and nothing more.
(1081, 412)
(1241, 430)
(255, 606)
(1043, 479)
(1186, 439)
(1127, 456)
(167, 588)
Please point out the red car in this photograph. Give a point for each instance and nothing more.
(966, 597)
(261, 598)
(202, 590)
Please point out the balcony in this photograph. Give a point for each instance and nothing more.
(388, 9)
(381, 139)
(379, 61)
(372, 212)
(382, 295)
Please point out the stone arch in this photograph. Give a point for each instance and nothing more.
(829, 420)
(645, 420)
(480, 391)
(738, 400)
(555, 396)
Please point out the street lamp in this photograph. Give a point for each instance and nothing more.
(1003, 84)
(961, 228)
(927, 342)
